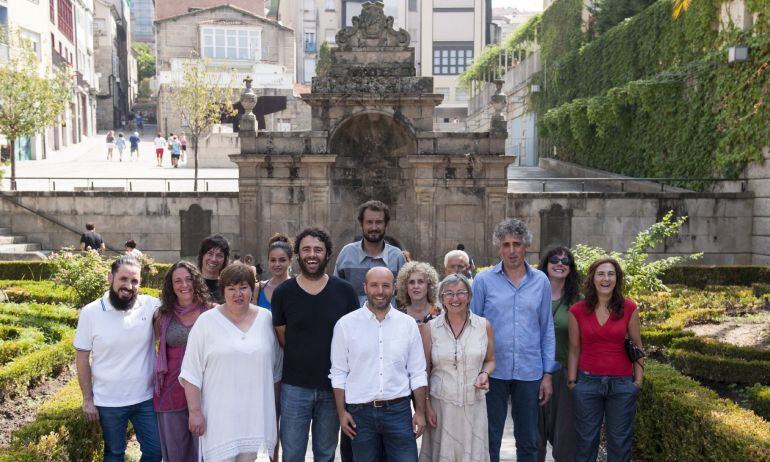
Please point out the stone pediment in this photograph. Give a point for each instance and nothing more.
(372, 29)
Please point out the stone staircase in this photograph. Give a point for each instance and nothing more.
(15, 247)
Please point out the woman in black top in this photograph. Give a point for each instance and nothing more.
(213, 257)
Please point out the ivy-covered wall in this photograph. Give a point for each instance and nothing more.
(655, 97)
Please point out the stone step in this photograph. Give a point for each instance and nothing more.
(23, 256)
(26, 247)
(5, 231)
(5, 239)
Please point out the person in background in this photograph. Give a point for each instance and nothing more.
(115, 347)
(183, 299)
(183, 144)
(416, 292)
(603, 381)
(279, 254)
(231, 373)
(130, 248)
(248, 260)
(91, 240)
(459, 347)
(176, 151)
(555, 422)
(471, 263)
(110, 144)
(305, 311)
(457, 262)
(213, 257)
(516, 299)
(160, 145)
(120, 143)
(134, 141)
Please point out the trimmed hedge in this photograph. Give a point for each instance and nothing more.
(723, 275)
(37, 291)
(43, 271)
(662, 338)
(719, 368)
(709, 346)
(17, 376)
(679, 420)
(26, 340)
(759, 397)
(61, 417)
(57, 313)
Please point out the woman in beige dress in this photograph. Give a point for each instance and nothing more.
(459, 347)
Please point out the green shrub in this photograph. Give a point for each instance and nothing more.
(62, 416)
(723, 275)
(17, 376)
(26, 340)
(57, 313)
(662, 338)
(759, 397)
(26, 270)
(150, 291)
(678, 420)
(85, 272)
(37, 291)
(709, 346)
(719, 368)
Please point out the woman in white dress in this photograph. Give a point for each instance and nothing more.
(231, 369)
(459, 348)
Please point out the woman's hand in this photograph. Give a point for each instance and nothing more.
(430, 415)
(482, 381)
(571, 384)
(196, 423)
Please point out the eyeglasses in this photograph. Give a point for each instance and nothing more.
(555, 260)
(458, 294)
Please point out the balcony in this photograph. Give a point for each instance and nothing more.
(310, 47)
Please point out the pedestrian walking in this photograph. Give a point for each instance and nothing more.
(183, 142)
(110, 144)
(134, 140)
(176, 151)
(160, 145)
(120, 143)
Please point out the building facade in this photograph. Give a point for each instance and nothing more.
(167, 8)
(112, 55)
(239, 41)
(59, 33)
(142, 16)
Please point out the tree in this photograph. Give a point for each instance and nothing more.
(202, 99)
(145, 60)
(30, 99)
(324, 60)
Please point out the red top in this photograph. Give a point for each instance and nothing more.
(602, 348)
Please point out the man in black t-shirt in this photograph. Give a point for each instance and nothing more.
(305, 310)
(91, 240)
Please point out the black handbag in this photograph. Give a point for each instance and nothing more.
(634, 352)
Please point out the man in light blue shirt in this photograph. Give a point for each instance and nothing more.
(516, 300)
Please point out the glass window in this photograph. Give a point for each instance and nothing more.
(451, 59)
(228, 43)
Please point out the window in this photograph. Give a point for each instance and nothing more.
(33, 40)
(461, 95)
(52, 11)
(309, 70)
(443, 91)
(310, 42)
(330, 36)
(451, 60)
(231, 43)
(65, 18)
(412, 5)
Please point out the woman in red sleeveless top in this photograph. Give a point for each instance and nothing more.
(603, 381)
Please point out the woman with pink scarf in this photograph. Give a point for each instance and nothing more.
(184, 297)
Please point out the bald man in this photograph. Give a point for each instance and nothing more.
(377, 362)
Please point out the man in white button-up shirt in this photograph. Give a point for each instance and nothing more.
(377, 362)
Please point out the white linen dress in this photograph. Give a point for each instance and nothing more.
(236, 372)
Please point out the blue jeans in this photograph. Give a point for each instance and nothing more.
(524, 411)
(300, 406)
(612, 398)
(114, 422)
(388, 427)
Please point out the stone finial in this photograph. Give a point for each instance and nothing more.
(498, 100)
(372, 29)
(248, 101)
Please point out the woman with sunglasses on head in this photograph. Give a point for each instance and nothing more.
(555, 417)
(603, 380)
(212, 259)
(460, 349)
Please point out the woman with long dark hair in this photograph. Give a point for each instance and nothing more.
(555, 417)
(279, 253)
(603, 380)
(183, 299)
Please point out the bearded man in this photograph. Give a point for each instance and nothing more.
(305, 310)
(371, 251)
(115, 351)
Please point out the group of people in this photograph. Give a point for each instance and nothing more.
(120, 144)
(380, 352)
(176, 145)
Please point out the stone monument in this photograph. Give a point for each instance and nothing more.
(372, 137)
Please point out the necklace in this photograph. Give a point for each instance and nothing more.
(456, 337)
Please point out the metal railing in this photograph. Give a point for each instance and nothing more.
(141, 184)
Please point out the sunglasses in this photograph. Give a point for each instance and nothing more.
(555, 260)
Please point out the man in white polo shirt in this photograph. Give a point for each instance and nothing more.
(115, 352)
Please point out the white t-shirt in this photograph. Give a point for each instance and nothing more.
(235, 372)
(160, 142)
(122, 346)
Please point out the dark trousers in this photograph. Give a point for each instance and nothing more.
(385, 429)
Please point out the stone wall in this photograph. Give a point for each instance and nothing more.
(759, 183)
(153, 220)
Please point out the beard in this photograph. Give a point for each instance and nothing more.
(374, 237)
(122, 303)
(379, 306)
(313, 274)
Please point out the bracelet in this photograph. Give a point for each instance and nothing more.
(571, 382)
(484, 372)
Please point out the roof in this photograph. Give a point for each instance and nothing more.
(232, 7)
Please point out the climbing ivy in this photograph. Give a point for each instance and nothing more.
(561, 29)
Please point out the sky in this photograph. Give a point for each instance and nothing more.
(525, 5)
